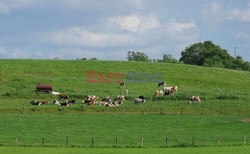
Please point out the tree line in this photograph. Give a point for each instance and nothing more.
(201, 54)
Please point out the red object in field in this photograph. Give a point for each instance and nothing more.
(46, 88)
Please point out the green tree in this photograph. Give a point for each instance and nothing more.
(137, 56)
(206, 54)
(167, 58)
(240, 64)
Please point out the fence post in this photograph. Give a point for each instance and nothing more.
(141, 141)
(218, 141)
(67, 141)
(16, 139)
(245, 140)
(22, 111)
(142, 112)
(43, 141)
(166, 141)
(92, 142)
(62, 110)
(182, 111)
(202, 111)
(116, 141)
(193, 141)
(122, 110)
(83, 110)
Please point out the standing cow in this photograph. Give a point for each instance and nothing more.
(195, 99)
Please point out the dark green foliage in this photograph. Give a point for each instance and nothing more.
(211, 55)
(167, 58)
(137, 56)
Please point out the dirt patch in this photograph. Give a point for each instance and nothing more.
(245, 120)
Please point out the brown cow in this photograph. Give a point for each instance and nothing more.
(63, 96)
(92, 98)
(158, 92)
(44, 102)
(169, 92)
(195, 99)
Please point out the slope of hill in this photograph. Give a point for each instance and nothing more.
(218, 87)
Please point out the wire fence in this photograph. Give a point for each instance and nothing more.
(129, 110)
(123, 142)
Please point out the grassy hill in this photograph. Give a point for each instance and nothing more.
(225, 102)
(219, 88)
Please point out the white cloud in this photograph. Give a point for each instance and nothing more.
(4, 8)
(213, 14)
(7, 6)
(135, 23)
(182, 31)
(2, 51)
(17, 53)
(78, 36)
(239, 14)
(178, 27)
(243, 36)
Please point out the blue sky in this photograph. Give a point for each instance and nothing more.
(107, 29)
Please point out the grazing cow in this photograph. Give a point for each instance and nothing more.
(141, 97)
(139, 100)
(126, 92)
(56, 102)
(158, 92)
(110, 104)
(63, 96)
(119, 98)
(35, 103)
(162, 84)
(102, 103)
(107, 99)
(90, 103)
(175, 88)
(85, 101)
(169, 92)
(71, 101)
(92, 98)
(122, 85)
(55, 93)
(44, 102)
(195, 99)
(172, 88)
(65, 104)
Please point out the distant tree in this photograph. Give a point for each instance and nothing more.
(206, 54)
(240, 64)
(167, 58)
(93, 58)
(83, 58)
(137, 56)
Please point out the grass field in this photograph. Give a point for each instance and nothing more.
(203, 150)
(180, 130)
(225, 102)
(219, 88)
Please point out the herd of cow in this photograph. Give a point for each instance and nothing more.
(118, 100)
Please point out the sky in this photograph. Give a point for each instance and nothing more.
(108, 29)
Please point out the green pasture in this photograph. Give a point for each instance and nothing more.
(129, 129)
(164, 120)
(220, 89)
(203, 150)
